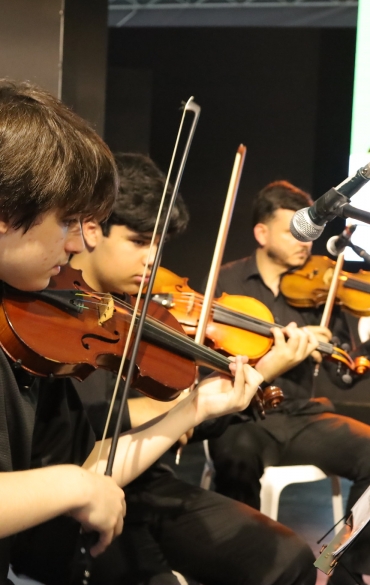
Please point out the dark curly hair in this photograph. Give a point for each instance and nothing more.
(140, 189)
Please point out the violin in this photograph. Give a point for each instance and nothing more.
(91, 329)
(239, 324)
(308, 286)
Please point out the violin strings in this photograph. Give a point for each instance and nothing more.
(241, 317)
(325, 347)
(224, 310)
(220, 308)
(172, 334)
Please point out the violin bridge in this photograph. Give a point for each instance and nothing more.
(106, 309)
(191, 303)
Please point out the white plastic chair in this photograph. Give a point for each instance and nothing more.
(22, 580)
(208, 469)
(275, 479)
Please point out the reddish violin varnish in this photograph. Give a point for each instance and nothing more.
(48, 333)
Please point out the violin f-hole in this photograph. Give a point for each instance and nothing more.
(87, 336)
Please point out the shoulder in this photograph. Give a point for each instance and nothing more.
(236, 265)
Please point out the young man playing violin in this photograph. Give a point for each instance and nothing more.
(304, 429)
(170, 524)
(54, 172)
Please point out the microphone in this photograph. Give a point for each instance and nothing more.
(336, 244)
(308, 224)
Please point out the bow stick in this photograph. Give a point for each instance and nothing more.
(220, 243)
(82, 571)
(328, 307)
(218, 253)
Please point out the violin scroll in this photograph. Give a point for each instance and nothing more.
(361, 365)
(266, 399)
(272, 396)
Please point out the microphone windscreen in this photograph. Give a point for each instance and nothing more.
(303, 228)
(330, 246)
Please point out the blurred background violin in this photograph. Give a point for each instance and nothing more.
(308, 286)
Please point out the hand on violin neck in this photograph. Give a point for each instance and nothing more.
(322, 335)
(217, 395)
(291, 346)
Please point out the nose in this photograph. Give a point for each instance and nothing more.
(150, 255)
(74, 241)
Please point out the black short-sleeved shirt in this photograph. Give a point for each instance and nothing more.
(40, 424)
(241, 277)
(53, 545)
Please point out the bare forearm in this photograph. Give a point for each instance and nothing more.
(30, 497)
(139, 448)
(213, 397)
(144, 409)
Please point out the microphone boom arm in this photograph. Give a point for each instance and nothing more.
(349, 210)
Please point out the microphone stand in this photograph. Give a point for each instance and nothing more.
(360, 252)
(347, 210)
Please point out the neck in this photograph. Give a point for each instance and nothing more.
(269, 270)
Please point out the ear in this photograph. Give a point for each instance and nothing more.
(4, 225)
(260, 233)
(92, 233)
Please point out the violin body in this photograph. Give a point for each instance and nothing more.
(185, 304)
(308, 286)
(54, 338)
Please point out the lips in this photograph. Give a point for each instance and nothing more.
(139, 277)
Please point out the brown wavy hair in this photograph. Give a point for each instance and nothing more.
(50, 159)
(278, 195)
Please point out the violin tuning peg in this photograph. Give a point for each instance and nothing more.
(347, 378)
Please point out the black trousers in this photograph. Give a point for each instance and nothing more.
(336, 444)
(207, 537)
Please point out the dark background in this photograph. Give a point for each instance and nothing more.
(284, 93)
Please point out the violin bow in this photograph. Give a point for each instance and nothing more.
(330, 300)
(190, 106)
(220, 243)
(218, 253)
(82, 571)
(328, 307)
